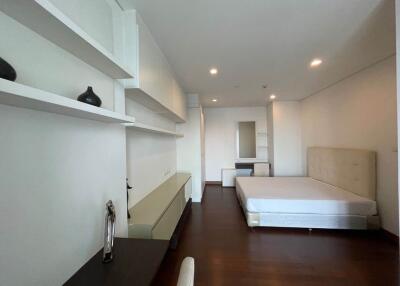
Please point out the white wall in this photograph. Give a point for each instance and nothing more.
(151, 158)
(360, 112)
(220, 136)
(398, 92)
(270, 136)
(203, 150)
(286, 125)
(189, 150)
(56, 172)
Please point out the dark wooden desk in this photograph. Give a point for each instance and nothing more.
(247, 165)
(136, 262)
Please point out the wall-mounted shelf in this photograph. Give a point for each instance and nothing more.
(152, 129)
(151, 103)
(19, 95)
(45, 19)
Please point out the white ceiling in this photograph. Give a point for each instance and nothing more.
(257, 42)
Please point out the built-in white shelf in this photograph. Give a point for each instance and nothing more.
(151, 103)
(262, 146)
(48, 21)
(152, 129)
(19, 95)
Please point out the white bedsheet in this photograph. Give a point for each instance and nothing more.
(299, 195)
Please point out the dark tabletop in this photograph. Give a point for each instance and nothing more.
(136, 262)
(246, 165)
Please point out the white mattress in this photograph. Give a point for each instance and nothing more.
(299, 195)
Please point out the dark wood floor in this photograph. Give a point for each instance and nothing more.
(227, 252)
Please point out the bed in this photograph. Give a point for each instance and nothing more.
(339, 193)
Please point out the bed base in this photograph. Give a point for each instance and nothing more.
(355, 222)
(312, 221)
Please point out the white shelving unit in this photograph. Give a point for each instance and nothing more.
(262, 146)
(155, 85)
(151, 103)
(45, 19)
(152, 129)
(19, 95)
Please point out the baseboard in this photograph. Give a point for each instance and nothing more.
(219, 183)
(390, 236)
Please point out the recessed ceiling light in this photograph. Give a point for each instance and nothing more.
(214, 100)
(213, 71)
(315, 63)
(272, 96)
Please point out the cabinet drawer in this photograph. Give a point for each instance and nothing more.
(188, 189)
(182, 200)
(166, 225)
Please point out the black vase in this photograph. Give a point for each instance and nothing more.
(90, 97)
(7, 71)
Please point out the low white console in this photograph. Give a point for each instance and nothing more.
(228, 177)
(244, 169)
(157, 216)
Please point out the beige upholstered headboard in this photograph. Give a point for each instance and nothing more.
(350, 169)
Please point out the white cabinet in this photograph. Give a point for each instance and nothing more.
(158, 214)
(188, 190)
(228, 177)
(155, 85)
(179, 100)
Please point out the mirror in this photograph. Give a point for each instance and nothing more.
(246, 139)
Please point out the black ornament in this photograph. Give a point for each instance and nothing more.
(90, 97)
(7, 71)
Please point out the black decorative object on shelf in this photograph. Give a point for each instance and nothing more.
(127, 195)
(7, 71)
(90, 97)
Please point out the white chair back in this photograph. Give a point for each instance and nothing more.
(186, 274)
(261, 170)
